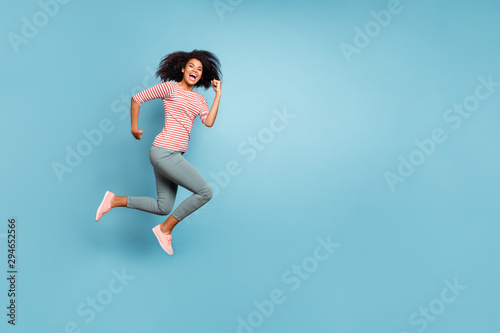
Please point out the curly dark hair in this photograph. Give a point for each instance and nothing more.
(171, 65)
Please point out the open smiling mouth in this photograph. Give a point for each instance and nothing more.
(192, 77)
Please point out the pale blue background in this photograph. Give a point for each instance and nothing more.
(322, 175)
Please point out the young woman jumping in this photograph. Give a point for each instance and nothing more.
(180, 73)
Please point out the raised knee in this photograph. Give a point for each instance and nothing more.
(164, 209)
(207, 193)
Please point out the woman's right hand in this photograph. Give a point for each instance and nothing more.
(137, 133)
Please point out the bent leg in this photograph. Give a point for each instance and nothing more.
(181, 172)
(166, 190)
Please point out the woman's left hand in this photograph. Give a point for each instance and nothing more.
(216, 85)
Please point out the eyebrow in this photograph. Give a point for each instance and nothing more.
(198, 66)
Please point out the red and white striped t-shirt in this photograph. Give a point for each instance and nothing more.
(181, 108)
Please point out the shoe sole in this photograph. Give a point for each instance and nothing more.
(100, 206)
(158, 238)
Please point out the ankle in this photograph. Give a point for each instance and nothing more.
(112, 202)
(165, 230)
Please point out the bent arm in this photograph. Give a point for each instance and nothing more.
(212, 114)
(161, 90)
(134, 115)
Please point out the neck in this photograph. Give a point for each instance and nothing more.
(186, 86)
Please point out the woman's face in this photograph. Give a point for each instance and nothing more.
(192, 71)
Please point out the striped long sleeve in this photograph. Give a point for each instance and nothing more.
(181, 108)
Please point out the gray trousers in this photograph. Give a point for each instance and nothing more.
(172, 169)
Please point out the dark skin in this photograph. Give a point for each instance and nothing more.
(193, 66)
